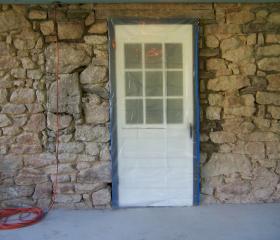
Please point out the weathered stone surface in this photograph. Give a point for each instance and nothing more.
(18, 72)
(264, 183)
(39, 160)
(101, 197)
(93, 75)
(238, 54)
(222, 137)
(26, 39)
(241, 17)
(86, 187)
(11, 20)
(92, 149)
(230, 44)
(23, 96)
(30, 176)
(91, 133)
(71, 147)
(36, 123)
(10, 163)
(263, 137)
(234, 192)
(216, 64)
(272, 38)
(255, 149)
(274, 18)
(35, 74)
(15, 192)
(212, 41)
(272, 50)
(70, 30)
(8, 62)
(99, 27)
(273, 82)
(63, 198)
(65, 188)
(269, 64)
(72, 56)
(226, 83)
(240, 111)
(90, 19)
(96, 113)
(227, 163)
(3, 96)
(105, 154)
(222, 29)
(67, 157)
(11, 108)
(5, 120)
(215, 99)
(69, 97)
(273, 150)
(37, 14)
(213, 113)
(64, 121)
(267, 98)
(47, 27)
(25, 149)
(43, 190)
(274, 111)
(95, 39)
(100, 172)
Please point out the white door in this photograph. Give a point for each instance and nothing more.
(154, 88)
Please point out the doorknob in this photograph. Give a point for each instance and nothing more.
(191, 130)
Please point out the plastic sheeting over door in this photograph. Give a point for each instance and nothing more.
(154, 114)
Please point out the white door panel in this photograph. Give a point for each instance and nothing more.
(154, 112)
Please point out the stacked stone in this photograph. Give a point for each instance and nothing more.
(240, 93)
(29, 112)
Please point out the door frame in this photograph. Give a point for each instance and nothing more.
(113, 100)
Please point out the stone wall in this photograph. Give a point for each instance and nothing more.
(240, 101)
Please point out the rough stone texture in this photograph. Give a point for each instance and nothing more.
(239, 95)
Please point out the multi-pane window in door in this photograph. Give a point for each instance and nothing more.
(153, 83)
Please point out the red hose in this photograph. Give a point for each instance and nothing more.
(13, 218)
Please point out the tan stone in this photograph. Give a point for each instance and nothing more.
(11, 108)
(227, 163)
(70, 30)
(272, 50)
(272, 38)
(90, 19)
(95, 39)
(36, 123)
(252, 39)
(23, 95)
(37, 14)
(241, 17)
(30, 176)
(215, 64)
(230, 43)
(267, 98)
(101, 197)
(215, 99)
(228, 83)
(5, 120)
(256, 150)
(263, 137)
(273, 82)
(47, 27)
(238, 54)
(212, 41)
(269, 64)
(222, 29)
(12, 20)
(213, 113)
(222, 137)
(93, 74)
(273, 150)
(274, 111)
(274, 18)
(28, 138)
(99, 27)
(240, 111)
(64, 121)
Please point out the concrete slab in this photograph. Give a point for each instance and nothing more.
(216, 222)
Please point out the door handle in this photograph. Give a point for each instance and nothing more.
(191, 130)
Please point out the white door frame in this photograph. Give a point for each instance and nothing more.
(114, 111)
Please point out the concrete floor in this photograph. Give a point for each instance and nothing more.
(216, 222)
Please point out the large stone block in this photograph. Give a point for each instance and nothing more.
(36, 123)
(272, 50)
(23, 96)
(267, 98)
(227, 163)
(93, 75)
(70, 30)
(264, 183)
(263, 137)
(10, 163)
(273, 82)
(39, 160)
(30, 176)
(99, 27)
(43, 190)
(269, 64)
(5, 120)
(91, 133)
(274, 18)
(64, 121)
(96, 114)
(228, 83)
(238, 54)
(213, 113)
(101, 197)
(15, 192)
(100, 172)
(71, 147)
(69, 99)
(240, 17)
(274, 111)
(222, 137)
(11, 20)
(13, 109)
(72, 56)
(68, 198)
